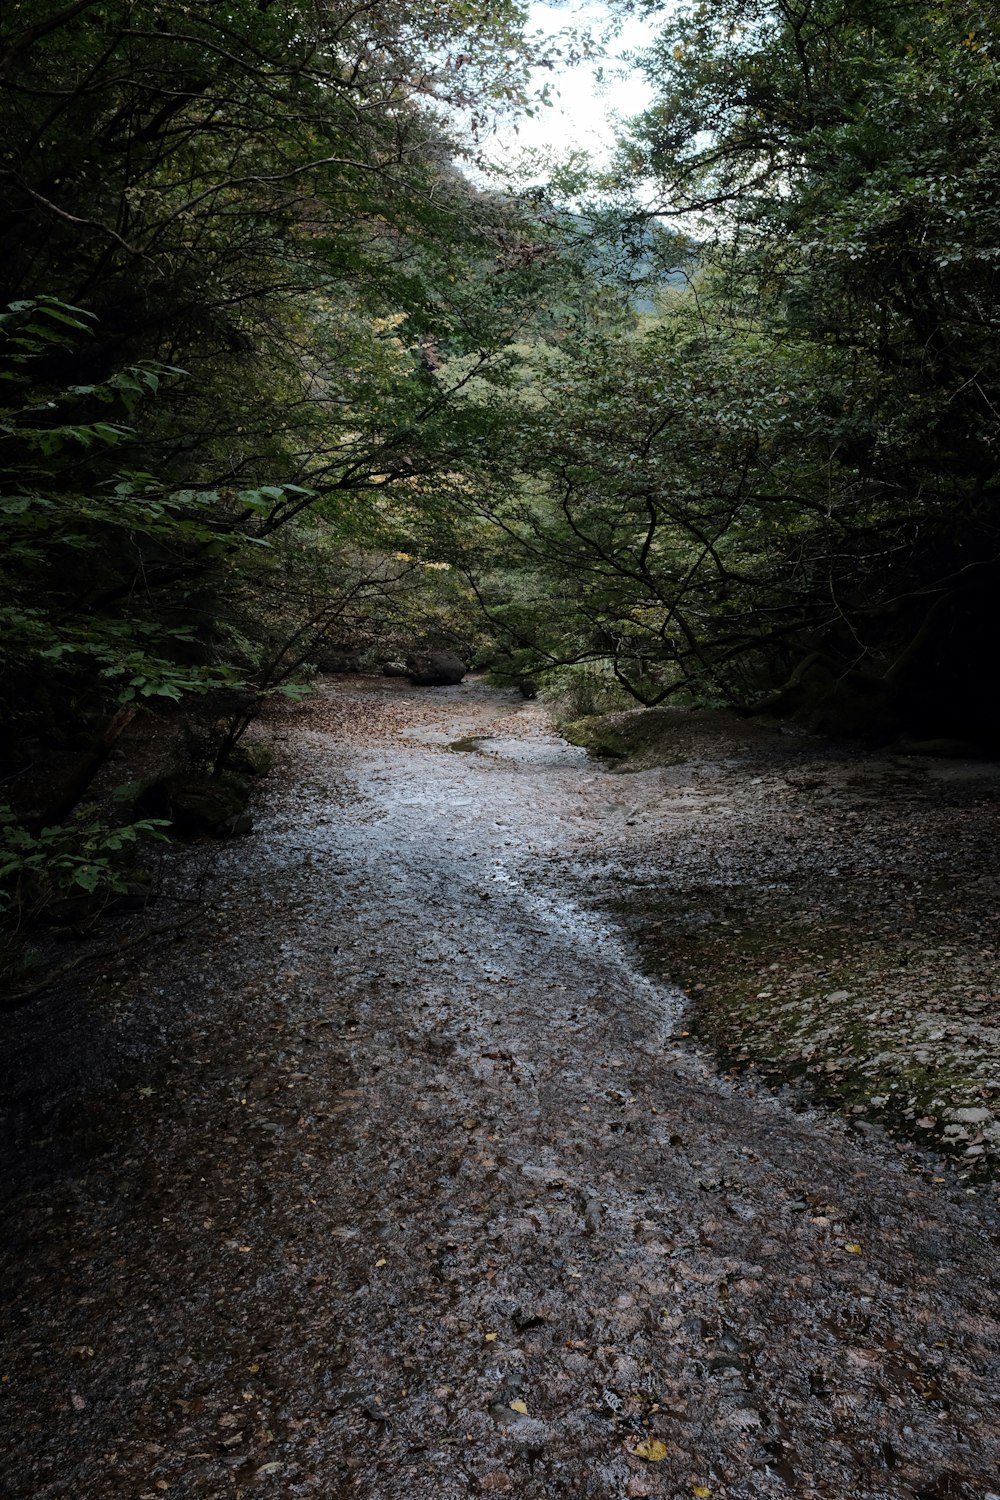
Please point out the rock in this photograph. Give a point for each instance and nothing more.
(251, 757)
(592, 1216)
(971, 1116)
(201, 805)
(337, 657)
(395, 669)
(945, 749)
(196, 805)
(68, 911)
(435, 669)
(237, 826)
(135, 897)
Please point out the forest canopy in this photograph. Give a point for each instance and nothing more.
(781, 492)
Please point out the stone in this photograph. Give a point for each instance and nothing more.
(195, 805)
(974, 1116)
(435, 669)
(238, 826)
(200, 805)
(251, 757)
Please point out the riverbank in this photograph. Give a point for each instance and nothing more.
(832, 913)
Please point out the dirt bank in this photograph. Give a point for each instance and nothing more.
(398, 1183)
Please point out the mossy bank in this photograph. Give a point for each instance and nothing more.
(830, 911)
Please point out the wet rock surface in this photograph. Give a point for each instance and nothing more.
(831, 910)
(399, 1183)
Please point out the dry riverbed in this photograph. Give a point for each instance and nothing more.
(395, 1177)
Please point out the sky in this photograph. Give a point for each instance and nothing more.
(582, 111)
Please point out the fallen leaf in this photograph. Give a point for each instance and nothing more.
(380, 1263)
(491, 1338)
(268, 1469)
(701, 1490)
(853, 1249)
(650, 1448)
(519, 1406)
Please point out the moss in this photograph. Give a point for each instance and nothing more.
(597, 735)
(642, 738)
(832, 1031)
(251, 758)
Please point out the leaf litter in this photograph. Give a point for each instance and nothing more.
(313, 1085)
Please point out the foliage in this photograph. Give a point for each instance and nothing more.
(281, 388)
(37, 868)
(237, 257)
(783, 492)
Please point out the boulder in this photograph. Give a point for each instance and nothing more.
(251, 757)
(199, 805)
(435, 669)
(237, 826)
(196, 805)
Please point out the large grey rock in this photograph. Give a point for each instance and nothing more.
(435, 669)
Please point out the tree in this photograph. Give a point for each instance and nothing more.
(796, 490)
(232, 241)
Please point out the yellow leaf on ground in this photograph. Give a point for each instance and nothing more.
(701, 1490)
(491, 1338)
(853, 1249)
(649, 1448)
(379, 1263)
(519, 1406)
